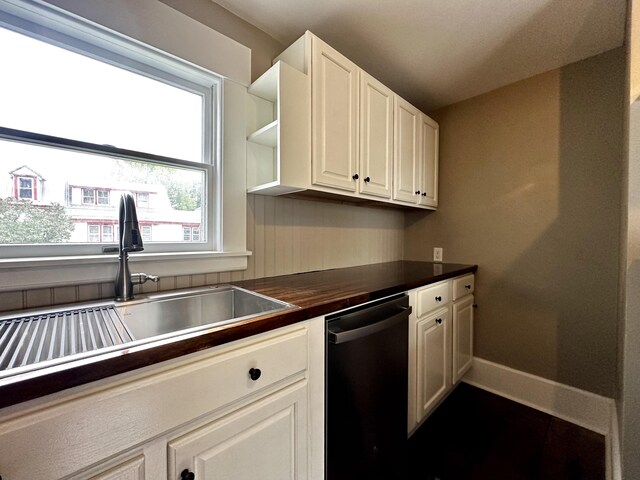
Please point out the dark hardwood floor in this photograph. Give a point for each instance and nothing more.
(475, 435)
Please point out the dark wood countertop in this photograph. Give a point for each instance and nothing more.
(316, 293)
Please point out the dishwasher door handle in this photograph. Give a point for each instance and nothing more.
(349, 335)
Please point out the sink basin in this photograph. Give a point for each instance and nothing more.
(165, 313)
(41, 338)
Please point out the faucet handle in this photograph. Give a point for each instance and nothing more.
(140, 278)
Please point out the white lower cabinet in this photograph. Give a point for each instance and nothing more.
(433, 347)
(249, 409)
(440, 344)
(462, 336)
(265, 440)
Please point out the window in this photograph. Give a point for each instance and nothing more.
(91, 196)
(93, 234)
(25, 188)
(88, 196)
(143, 200)
(90, 149)
(190, 233)
(123, 118)
(107, 233)
(146, 233)
(102, 197)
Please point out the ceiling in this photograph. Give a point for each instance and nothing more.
(438, 52)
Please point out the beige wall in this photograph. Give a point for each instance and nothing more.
(263, 47)
(629, 333)
(530, 191)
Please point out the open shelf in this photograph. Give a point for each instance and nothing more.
(267, 135)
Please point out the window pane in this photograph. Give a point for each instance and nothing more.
(88, 196)
(107, 233)
(103, 197)
(94, 233)
(92, 101)
(71, 181)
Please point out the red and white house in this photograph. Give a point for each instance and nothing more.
(94, 207)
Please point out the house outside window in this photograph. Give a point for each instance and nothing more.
(25, 188)
(186, 234)
(195, 234)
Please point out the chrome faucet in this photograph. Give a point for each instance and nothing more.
(130, 240)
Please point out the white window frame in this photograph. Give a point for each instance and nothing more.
(146, 24)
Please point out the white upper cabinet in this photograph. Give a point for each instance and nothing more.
(376, 137)
(364, 142)
(429, 164)
(415, 174)
(334, 116)
(407, 152)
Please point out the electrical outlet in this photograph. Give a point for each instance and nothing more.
(437, 254)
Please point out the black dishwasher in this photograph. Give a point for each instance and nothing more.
(366, 391)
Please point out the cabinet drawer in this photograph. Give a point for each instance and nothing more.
(432, 297)
(463, 286)
(257, 366)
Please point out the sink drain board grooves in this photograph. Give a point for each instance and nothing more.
(32, 339)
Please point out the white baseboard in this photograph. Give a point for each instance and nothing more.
(614, 467)
(580, 407)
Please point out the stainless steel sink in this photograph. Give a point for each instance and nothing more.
(166, 313)
(40, 338)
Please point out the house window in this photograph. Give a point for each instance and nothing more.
(25, 188)
(190, 234)
(92, 196)
(107, 233)
(143, 200)
(102, 197)
(124, 117)
(145, 230)
(93, 233)
(88, 196)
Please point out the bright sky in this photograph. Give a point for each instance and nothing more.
(49, 90)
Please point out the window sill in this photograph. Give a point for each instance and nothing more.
(42, 272)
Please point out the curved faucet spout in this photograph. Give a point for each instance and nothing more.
(130, 240)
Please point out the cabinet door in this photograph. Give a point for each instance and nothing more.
(462, 336)
(376, 137)
(433, 373)
(407, 152)
(334, 107)
(429, 162)
(266, 440)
